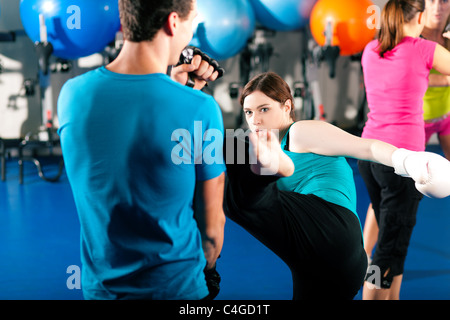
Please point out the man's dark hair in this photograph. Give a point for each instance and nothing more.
(141, 19)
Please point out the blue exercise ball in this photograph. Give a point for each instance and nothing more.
(223, 27)
(283, 15)
(75, 28)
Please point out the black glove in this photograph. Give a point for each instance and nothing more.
(212, 281)
(186, 58)
(188, 54)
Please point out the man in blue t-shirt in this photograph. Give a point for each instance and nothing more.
(141, 152)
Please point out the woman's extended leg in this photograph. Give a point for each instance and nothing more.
(320, 242)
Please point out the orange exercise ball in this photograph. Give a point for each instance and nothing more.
(352, 24)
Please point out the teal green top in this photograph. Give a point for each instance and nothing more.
(330, 178)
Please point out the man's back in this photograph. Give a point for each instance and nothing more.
(123, 138)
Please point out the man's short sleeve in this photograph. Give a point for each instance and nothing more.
(210, 162)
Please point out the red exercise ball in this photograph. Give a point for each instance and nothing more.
(352, 24)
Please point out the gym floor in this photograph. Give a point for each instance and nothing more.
(39, 233)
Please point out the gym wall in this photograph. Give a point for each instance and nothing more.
(20, 110)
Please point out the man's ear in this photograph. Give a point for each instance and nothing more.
(171, 23)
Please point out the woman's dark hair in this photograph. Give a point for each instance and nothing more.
(141, 19)
(393, 17)
(273, 86)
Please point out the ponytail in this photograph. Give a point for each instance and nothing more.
(393, 17)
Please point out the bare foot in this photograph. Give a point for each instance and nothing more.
(270, 159)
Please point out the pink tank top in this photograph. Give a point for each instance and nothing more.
(395, 86)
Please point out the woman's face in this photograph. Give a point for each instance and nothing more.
(261, 112)
(438, 13)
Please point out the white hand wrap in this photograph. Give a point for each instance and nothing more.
(398, 160)
(430, 171)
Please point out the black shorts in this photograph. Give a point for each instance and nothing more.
(321, 242)
(395, 201)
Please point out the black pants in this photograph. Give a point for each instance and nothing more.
(321, 242)
(395, 201)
